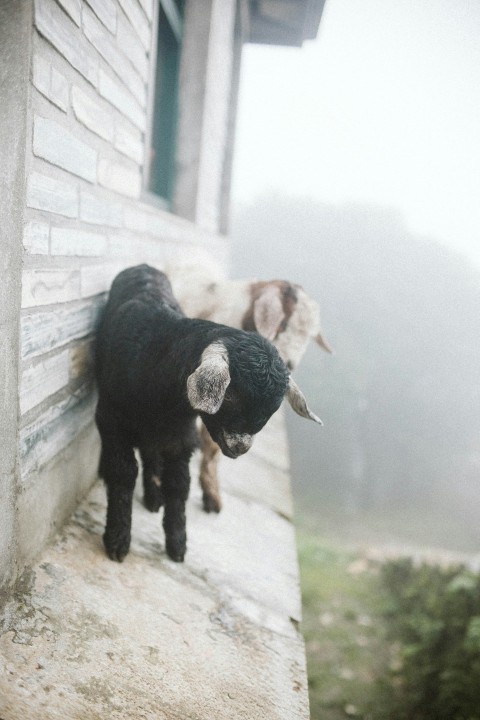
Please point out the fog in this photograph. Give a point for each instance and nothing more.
(356, 175)
(383, 108)
(399, 455)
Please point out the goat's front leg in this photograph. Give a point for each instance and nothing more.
(176, 485)
(152, 461)
(209, 473)
(118, 468)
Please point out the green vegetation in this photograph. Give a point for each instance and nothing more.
(345, 636)
(435, 615)
(389, 641)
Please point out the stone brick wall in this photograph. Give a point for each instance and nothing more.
(86, 216)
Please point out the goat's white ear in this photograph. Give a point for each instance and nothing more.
(207, 385)
(268, 312)
(297, 400)
(322, 343)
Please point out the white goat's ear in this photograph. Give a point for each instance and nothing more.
(322, 343)
(297, 400)
(207, 385)
(268, 312)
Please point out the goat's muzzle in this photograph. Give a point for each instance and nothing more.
(234, 444)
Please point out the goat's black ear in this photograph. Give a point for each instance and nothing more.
(297, 400)
(268, 312)
(207, 385)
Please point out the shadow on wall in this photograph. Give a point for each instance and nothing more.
(399, 456)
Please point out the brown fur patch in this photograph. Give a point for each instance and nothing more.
(288, 295)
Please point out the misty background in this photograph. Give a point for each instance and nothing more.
(356, 175)
(399, 455)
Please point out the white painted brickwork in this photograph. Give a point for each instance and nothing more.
(52, 142)
(49, 329)
(119, 177)
(90, 68)
(73, 8)
(106, 11)
(129, 142)
(102, 41)
(65, 241)
(85, 219)
(129, 41)
(45, 193)
(136, 16)
(50, 82)
(49, 286)
(43, 379)
(91, 113)
(62, 33)
(54, 429)
(35, 238)
(99, 211)
(117, 95)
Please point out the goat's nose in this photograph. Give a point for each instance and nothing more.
(238, 443)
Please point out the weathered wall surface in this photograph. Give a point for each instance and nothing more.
(86, 216)
(14, 68)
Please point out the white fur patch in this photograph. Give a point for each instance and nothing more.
(303, 325)
(203, 293)
(207, 385)
(268, 312)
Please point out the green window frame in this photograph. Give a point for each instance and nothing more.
(163, 131)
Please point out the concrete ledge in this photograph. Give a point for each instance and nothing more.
(214, 638)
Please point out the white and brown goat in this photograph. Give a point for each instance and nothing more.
(279, 310)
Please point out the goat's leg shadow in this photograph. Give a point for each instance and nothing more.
(209, 472)
(152, 463)
(118, 468)
(176, 485)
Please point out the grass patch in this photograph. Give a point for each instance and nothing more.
(344, 630)
(388, 641)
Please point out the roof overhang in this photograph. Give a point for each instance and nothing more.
(284, 22)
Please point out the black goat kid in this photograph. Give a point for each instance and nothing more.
(156, 370)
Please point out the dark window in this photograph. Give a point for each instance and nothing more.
(165, 105)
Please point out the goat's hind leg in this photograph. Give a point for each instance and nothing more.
(209, 473)
(118, 468)
(152, 462)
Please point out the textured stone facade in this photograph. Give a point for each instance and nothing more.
(85, 215)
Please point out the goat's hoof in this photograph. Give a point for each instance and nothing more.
(153, 504)
(211, 503)
(176, 558)
(175, 553)
(117, 549)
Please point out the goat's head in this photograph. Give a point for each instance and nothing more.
(283, 313)
(239, 384)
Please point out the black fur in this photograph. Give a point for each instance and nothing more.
(145, 350)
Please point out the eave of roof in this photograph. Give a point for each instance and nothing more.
(284, 22)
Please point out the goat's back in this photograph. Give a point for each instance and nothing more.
(139, 281)
(128, 343)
